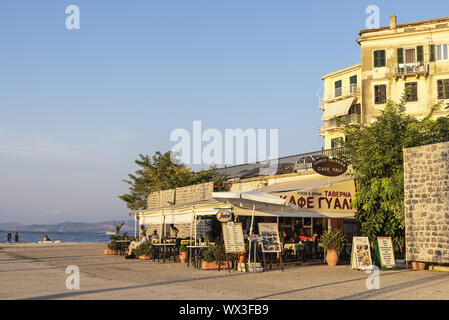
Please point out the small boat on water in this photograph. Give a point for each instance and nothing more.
(110, 233)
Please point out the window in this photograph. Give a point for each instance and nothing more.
(412, 91)
(380, 94)
(338, 88)
(354, 109)
(353, 83)
(379, 58)
(443, 89)
(337, 142)
(442, 52)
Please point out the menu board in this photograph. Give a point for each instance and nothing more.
(270, 235)
(361, 254)
(385, 253)
(233, 237)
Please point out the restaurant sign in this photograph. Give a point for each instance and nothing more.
(330, 167)
(335, 198)
(224, 216)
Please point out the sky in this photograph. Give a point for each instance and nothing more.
(77, 107)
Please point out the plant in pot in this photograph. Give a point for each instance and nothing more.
(113, 248)
(211, 258)
(143, 251)
(183, 254)
(332, 241)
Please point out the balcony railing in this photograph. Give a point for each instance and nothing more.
(289, 164)
(339, 93)
(342, 121)
(412, 69)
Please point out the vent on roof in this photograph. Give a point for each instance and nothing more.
(409, 29)
(441, 25)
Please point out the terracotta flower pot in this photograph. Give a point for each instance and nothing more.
(416, 265)
(332, 257)
(183, 256)
(109, 252)
(212, 265)
(144, 257)
(117, 252)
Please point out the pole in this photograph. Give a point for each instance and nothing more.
(135, 224)
(249, 240)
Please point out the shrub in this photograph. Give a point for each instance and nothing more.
(143, 250)
(333, 239)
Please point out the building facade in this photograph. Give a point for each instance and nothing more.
(412, 55)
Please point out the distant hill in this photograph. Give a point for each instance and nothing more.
(68, 227)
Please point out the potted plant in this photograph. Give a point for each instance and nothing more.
(183, 254)
(113, 248)
(332, 241)
(211, 257)
(143, 251)
(417, 265)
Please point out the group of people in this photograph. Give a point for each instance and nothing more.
(142, 239)
(9, 237)
(295, 238)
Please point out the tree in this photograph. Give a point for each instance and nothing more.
(118, 227)
(375, 154)
(162, 172)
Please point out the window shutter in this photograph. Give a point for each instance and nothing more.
(432, 52)
(382, 58)
(420, 54)
(400, 55)
(440, 89)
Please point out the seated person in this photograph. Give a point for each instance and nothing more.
(287, 238)
(134, 244)
(303, 236)
(46, 238)
(154, 237)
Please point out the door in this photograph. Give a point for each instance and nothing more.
(410, 59)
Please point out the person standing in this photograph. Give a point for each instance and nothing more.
(9, 237)
(16, 237)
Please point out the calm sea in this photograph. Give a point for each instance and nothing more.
(31, 236)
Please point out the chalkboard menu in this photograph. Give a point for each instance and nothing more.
(233, 237)
(385, 253)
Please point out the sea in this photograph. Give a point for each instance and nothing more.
(33, 236)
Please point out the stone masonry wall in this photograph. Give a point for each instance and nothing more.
(426, 188)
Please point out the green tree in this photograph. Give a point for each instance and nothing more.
(375, 155)
(161, 172)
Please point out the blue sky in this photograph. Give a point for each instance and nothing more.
(77, 107)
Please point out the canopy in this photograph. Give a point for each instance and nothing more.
(254, 196)
(306, 182)
(338, 108)
(290, 212)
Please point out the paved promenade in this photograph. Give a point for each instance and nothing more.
(36, 271)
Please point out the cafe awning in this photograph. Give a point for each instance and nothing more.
(304, 183)
(338, 108)
(253, 196)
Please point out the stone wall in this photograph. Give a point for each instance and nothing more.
(183, 195)
(426, 186)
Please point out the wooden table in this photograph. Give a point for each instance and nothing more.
(124, 244)
(164, 246)
(196, 256)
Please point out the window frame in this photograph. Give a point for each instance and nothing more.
(409, 98)
(376, 89)
(385, 58)
(444, 93)
(441, 46)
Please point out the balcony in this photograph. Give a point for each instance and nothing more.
(411, 69)
(340, 121)
(339, 94)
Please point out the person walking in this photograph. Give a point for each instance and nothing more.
(16, 237)
(9, 237)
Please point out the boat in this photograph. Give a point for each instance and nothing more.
(110, 233)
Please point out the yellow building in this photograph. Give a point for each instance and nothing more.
(413, 55)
